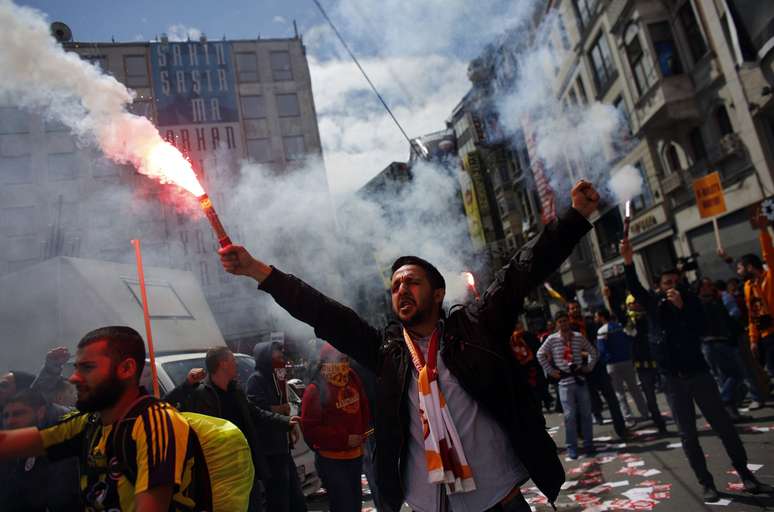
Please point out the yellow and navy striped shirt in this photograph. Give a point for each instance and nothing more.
(161, 449)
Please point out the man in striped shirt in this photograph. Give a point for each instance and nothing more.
(568, 357)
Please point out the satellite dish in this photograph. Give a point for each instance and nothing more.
(61, 32)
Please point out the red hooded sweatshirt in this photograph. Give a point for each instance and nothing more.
(327, 426)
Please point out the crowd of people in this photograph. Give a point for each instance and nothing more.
(441, 409)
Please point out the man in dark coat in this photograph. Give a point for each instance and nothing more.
(483, 390)
(676, 323)
(266, 389)
(217, 393)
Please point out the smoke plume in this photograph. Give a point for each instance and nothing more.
(626, 184)
(40, 75)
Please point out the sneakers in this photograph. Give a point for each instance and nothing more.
(710, 494)
(572, 452)
(754, 486)
(755, 405)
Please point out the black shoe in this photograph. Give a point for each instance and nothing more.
(710, 494)
(599, 420)
(733, 413)
(754, 486)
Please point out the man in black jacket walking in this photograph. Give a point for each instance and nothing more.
(266, 389)
(217, 393)
(676, 323)
(475, 382)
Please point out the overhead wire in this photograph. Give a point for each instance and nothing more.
(414, 146)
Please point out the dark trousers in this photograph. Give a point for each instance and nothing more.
(256, 497)
(283, 488)
(700, 388)
(369, 451)
(766, 354)
(648, 378)
(599, 382)
(341, 478)
(726, 366)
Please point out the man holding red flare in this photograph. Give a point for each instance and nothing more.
(446, 381)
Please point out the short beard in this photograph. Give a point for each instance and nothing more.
(102, 397)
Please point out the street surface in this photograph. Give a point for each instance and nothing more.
(650, 472)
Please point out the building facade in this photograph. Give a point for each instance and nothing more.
(691, 82)
(219, 102)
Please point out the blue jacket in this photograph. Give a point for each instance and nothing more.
(614, 345)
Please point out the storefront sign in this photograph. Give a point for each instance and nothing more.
(709, 195)
(649, 220)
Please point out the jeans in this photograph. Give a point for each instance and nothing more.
(766, 354)
(623, 379)
(283, 488)
(341, 478)
(599, 381)
(726, 366)
(648, 377)
(700, 388)
(577, 409)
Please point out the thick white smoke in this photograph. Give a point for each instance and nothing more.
(626, 184)
(39, 74)
(583, 136)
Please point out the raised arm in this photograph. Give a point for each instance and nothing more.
(535, 261)
(331, 320)
(21, 442)
(640, 294)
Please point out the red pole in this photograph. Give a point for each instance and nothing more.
(148, 334)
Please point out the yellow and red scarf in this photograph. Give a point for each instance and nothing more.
(446, 462)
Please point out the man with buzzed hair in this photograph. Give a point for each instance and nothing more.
(456, 425)
(217, 393)
(149, 473)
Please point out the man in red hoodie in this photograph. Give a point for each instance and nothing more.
(334, 418)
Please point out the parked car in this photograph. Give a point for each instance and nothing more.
(173, 369)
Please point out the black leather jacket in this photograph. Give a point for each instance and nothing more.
(475, 349)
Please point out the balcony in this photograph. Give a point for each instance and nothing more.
(671, 183)
(670, 100)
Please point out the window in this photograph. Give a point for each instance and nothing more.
(136, 67)
(623, 114)
(97, 60)
(693, 35)
(563, 33)
(13, 121)
(697, 144)
(280, 66)
(582, 90)
(287, 105)
(15, 170)
(604, 69)
(259, 150)
(645, 199)
(204, 271)
(294, 147)
(722, 120)
(140, 108)
(253, 107)
(63, 166)
(673, 159)
(586, 10)
(18, 220)
(666, 51)
(638, 61)
(247, 66)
